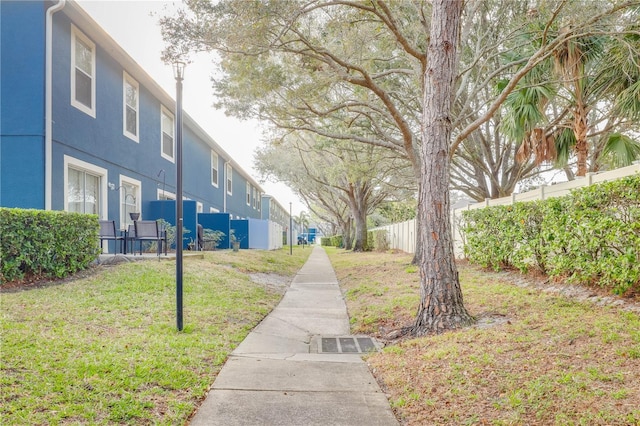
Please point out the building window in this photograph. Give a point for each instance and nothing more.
(130, 104)
(229, 179)
(214, 169)
(83, 71)
(165, 195)
(168, 146)
(199, 207)
(213, 210)
(85, 186)
(248, 194)
(254, 193)
(129, 200)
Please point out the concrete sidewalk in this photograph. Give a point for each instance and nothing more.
(279, 375)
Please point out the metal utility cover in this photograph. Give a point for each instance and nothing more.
(347, 345)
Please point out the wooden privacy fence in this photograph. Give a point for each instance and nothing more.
(402, 236)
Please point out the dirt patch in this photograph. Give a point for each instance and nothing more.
(271, 282)
(595, 295)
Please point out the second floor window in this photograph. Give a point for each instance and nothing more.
(229, 179)
(83, 71)
(168, 148)
(214, 168)
(130, 106)
(248, 194)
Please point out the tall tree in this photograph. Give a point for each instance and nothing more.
(302, 66)
(441, 305)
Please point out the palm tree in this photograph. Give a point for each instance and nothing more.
(590, 106)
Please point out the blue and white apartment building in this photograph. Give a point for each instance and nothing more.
(85, 129)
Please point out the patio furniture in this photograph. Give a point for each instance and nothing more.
(148, 230)
(130, 239)
(108, 232)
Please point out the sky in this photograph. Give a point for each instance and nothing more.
(134, 26)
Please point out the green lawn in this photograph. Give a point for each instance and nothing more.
(104, 349)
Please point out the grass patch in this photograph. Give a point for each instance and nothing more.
(104, 349)
(538, 358)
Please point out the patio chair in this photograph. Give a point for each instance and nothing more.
(148, 230)
(108, 232)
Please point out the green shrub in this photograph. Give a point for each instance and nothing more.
(378, 240)
(49, 244)
(325, 241)
(589, 237)
(336, 241)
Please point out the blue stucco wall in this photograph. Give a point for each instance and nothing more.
(166, 210)
(22, 61)
(240, 228)
(217, 222)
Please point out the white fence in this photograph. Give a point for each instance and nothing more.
(402, 236)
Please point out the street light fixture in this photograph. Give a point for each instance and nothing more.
(178, 74)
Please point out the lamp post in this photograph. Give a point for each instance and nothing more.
(290, 231)
(178, 73)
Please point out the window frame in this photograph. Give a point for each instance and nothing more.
(128, 80)
(124, 180)
(248, 194)
(74, 163)
(76, 34)
(229, 182)
(215, 160)
(166, 194)
(165, 111)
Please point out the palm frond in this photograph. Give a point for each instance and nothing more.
(620, 150)
(565, 140)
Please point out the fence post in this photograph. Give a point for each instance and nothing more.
(542, 192)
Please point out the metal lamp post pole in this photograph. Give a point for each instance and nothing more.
(179, 75)
(290, 231)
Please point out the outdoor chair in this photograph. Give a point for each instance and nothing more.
(148, 230)
(108, 232)
(129, 244)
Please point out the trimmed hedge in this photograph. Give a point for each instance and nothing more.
(378, 240)
(47, 244)
(590, 237)
(334, 241)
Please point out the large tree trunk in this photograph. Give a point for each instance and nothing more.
(358, 207)
(347, 241)
(441, 306)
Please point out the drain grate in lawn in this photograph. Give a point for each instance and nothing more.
(346, 345)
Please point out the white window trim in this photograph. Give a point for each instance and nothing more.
(165, 111)
(215, 160)
(229, 181)
(126, 78)
(91, 168)
(213, 210)
(248, 200)
(199, 207)
(76, 33)
(124, 180)
(168, 195)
